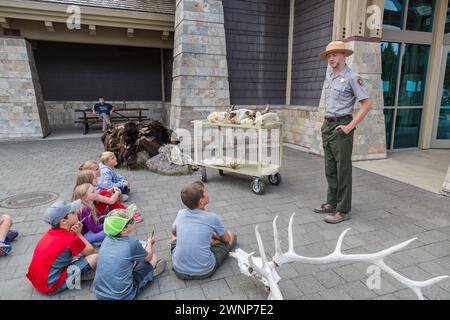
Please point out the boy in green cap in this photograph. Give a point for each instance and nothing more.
(124, 267)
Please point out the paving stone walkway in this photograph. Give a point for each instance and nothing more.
(385, 212)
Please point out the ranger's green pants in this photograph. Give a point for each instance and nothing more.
(338, 148)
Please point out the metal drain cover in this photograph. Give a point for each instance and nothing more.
(29, 200)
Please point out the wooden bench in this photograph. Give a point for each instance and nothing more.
(89, 119)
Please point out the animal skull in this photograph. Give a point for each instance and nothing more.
(264, 271)
(263, 119)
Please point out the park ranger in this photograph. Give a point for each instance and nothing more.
(342, 88)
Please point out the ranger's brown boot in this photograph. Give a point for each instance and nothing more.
(325, 208)
(338, 217)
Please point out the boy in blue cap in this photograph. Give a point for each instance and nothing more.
(59, 249)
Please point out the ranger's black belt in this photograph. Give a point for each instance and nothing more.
(339, 118)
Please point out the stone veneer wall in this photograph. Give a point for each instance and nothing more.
(370, 136)
(62, 113)
(22, 111)
(200, 72)
(446, 186)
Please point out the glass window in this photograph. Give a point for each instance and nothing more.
(414, 69)
(407, 128)
(390, 54)
(389, 117)
(420, 15)
(393, 14)
(443, 131)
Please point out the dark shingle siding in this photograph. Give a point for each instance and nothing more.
(257, 46)
(151, 6)
(313, 29)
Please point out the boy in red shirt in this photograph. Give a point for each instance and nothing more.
(59, 249)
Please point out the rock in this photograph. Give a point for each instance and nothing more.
(142, 158)
(159, 164)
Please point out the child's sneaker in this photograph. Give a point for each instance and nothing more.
(5, 249)
(137, 218)
(123, 198)
(159, 267)
(12, 235)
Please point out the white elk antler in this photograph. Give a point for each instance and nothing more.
(268, 269)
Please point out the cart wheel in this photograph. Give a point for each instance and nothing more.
(221, 172)
(257, 186)
(203, 175)
(275, 179)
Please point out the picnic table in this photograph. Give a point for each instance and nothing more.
(88, 119)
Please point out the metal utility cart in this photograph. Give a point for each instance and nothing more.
(257, 169)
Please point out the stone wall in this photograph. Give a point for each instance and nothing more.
(22, 111)
(446, 186)
(200, 73)
(62, 113)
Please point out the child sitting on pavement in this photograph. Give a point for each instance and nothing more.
(95, 167)
(109, 178)
(106, 200)
(59, 248)
(125, 267)
(91, 219)
(200, 242)
(6, 235)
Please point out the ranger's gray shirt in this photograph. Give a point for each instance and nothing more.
(342, 91)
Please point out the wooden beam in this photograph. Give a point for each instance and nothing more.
(92, 30)
(34, 10)
(49, 26)
(290, 49)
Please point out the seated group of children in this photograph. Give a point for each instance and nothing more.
(124, 265)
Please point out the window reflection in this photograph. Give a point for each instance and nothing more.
(388, 117)
(443, 131)
(393, 14)
(390, 53)
(414, 68)
(420, 15)
(407, 128)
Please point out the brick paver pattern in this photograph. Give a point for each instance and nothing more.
(385, 212)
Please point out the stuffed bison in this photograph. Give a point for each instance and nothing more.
(128, 140)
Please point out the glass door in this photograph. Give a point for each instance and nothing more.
(441, 132)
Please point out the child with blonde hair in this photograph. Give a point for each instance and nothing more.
(92, 220)
(109, 178)
(106, 200)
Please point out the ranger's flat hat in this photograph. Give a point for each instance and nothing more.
(335, 47)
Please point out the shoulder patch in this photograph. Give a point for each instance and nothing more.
(360, 81)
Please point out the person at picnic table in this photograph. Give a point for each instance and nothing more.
(104, 111)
